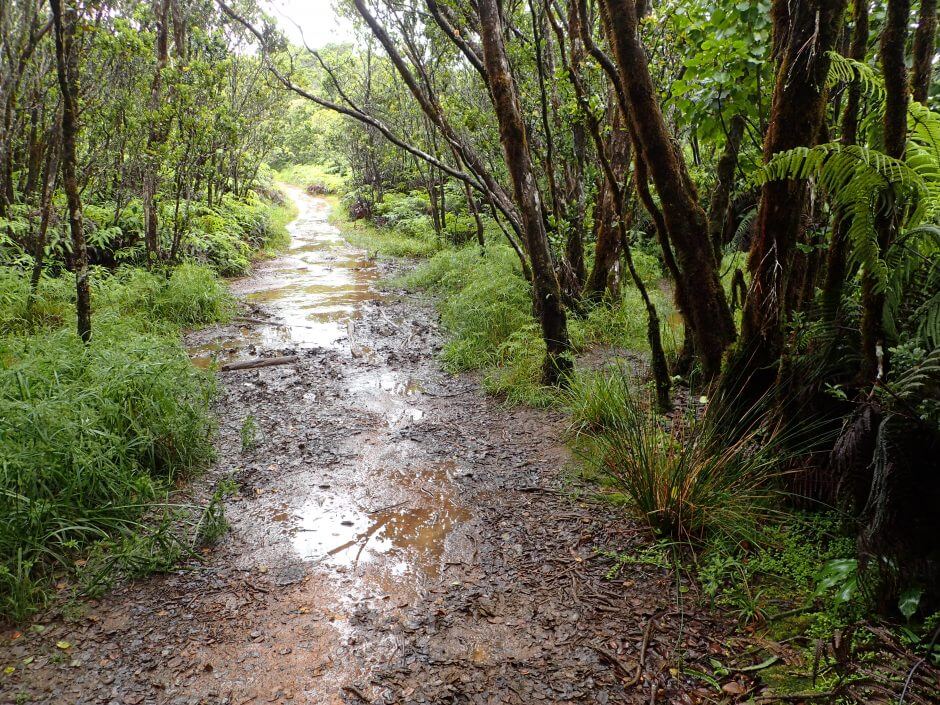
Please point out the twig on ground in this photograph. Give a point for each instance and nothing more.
(255, 364)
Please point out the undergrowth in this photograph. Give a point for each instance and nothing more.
(226, 235)
(486, 308)
(324, 179)
(93, 438)
(413, 238)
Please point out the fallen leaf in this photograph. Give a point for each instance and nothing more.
(733, 688)
(63, 644)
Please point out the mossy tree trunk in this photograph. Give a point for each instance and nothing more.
(65, 19)
(512, 134)
(685, 220)
(804, 34)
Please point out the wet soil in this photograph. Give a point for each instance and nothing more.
(396, 536)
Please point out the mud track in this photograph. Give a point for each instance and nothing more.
(397, 537)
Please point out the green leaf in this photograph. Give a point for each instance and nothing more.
(910, 601)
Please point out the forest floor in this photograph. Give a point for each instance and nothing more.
(395, 536)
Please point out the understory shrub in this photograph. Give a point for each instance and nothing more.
(224, 236)
(93, 437)
(401, 232)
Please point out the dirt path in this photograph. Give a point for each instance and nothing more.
(396, 536)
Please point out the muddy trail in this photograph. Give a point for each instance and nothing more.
(396, 536)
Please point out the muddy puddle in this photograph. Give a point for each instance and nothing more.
(409, 535)
(311, 292)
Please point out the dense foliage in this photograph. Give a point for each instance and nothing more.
(739, 201)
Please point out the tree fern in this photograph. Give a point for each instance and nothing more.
(863, 185)
(923, 152)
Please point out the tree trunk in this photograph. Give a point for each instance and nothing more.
(893, 40)
(924, 40)
(607, 244)
(65, 20)
(803, 40)
(155, 137)
(838, 245)
(713, 328)
(50, 170)
(545, 290)
(657, 355)
(724, 185)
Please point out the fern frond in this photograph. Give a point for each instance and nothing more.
(911, 386)
(923, 152)
(845, 70)
(740, 233)
(863, 185)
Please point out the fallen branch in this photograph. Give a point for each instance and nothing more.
(619, 667)
(260, 321)
(263, 362)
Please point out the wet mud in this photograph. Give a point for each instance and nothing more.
(396, 536)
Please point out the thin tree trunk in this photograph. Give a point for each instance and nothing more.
(724, 184)
(606, 212)
(838, 245)
(50, 169)
(893, 40)
(685, 220)
(657, 355)
(924, 47)
(155, 136)
(65, 20)
(545, 290)
(803, 41)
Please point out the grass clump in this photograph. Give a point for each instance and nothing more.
(402, 238)
(92, 438)
(188, 295)
(683, 476)
(486, 308)
(484, 302)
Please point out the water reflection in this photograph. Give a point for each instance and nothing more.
(415, 528)
(311, 290)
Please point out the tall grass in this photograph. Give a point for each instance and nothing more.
(91, 436)
(688, 477)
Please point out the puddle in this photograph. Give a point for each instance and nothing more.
(389, 394)
(374, 514)
(312, 290)
(410, 535)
